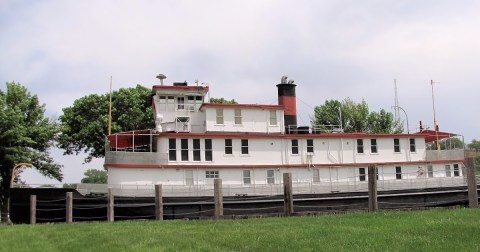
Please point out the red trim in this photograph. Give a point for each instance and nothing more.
(231, 105)
(432, 135)
(158, 87)
(290, 103)
(194, 166)
(287, 136)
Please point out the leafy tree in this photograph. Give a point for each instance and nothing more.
(474, 145)
(94, 176)
(222, 100)
(25, 137)
(84, 125)
(354, 117)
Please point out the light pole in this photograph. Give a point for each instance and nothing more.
(406, 116)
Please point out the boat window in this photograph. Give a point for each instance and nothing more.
(448, 171)
(361, 174)
(360, 146)
(310, 145)
(219, 116)
(270, 176)
(184, 149)
(247, 179)
(208, 150)
(373, 145)
(294, 146)
(238, 116)
(228, 147)
(396, 145)
(412, 145)
(212, 174)
(196, 149)
(430, 171)
(172, 149)
(273, 117)
(245, 146)
(398, 172)
(456, 170)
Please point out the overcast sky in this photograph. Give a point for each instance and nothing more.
(64, 50)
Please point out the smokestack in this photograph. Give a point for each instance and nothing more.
(286, 97)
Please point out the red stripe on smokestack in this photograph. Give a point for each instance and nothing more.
(290, 104)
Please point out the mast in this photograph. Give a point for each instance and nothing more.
(435, 123)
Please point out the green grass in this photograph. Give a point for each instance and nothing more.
(434, 230)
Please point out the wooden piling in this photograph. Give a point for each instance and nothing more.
(372, 189)
(288, 194)
(218, 198)
(69, 207)
(33, 209)
(110, 206)
(158, 202)
(471, 182)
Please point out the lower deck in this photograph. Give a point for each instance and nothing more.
(199, 182)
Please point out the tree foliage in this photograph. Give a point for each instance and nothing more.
(474, 145)
(84, 124)
(222, 100)
(354, 117)
(25, 137)
(94, 176)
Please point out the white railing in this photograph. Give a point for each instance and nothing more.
(324, 186)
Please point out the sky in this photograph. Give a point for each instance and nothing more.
(333, 49)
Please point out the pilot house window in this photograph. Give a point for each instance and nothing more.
(219, 116)
(238, 116)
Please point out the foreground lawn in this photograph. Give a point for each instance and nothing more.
(435, 230)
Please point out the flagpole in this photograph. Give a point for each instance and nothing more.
(110, 110)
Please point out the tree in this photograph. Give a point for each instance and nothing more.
(84, 124)
(94, 176)
(353, 117)
(474, 145)
(222, 100)
(25, 137)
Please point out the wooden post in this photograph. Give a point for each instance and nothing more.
(158, 202)
(218, 198)
(372, 189)
(110, 206)
(33, 209)
(69, 214)
(471, 183)
(288, 194)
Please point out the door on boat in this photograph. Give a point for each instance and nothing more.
(334, 180)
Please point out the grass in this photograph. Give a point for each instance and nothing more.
(434, 230)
